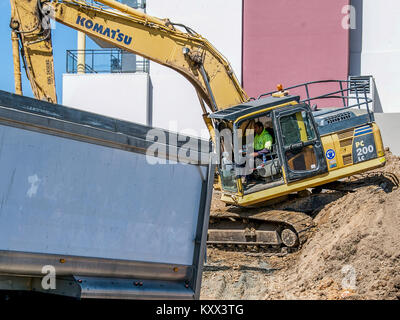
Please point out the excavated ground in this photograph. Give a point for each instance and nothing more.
(352, 253)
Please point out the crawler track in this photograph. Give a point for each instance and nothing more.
(266, 231)
(276, 229)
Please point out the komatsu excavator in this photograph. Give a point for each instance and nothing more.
(311, 147)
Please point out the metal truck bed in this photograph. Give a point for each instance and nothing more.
(79, 193)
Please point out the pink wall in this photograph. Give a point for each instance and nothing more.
(291, 42)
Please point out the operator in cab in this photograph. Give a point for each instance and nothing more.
(262, 140)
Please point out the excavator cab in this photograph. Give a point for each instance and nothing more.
(296, 151)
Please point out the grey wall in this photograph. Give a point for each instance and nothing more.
(356, 40)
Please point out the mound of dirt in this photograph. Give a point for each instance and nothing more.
(353, 253)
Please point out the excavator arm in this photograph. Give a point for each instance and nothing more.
(131, 30)
(32, 34)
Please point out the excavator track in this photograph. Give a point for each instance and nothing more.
(269, 230)
(279, 228)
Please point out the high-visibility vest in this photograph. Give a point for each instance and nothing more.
(262, 141)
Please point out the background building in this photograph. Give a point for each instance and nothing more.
(267, 42)
(157, 95)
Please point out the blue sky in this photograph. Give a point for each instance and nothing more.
(63, 39)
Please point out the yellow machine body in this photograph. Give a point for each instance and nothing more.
(343, 151)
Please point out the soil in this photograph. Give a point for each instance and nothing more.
(352, 253)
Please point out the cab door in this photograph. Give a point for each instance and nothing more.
(299, 142)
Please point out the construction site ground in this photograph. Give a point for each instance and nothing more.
(352, 253)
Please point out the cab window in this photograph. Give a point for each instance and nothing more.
(296, 130)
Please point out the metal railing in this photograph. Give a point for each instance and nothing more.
(351, 94)
(107, 61)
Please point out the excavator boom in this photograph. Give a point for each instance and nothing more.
(131, 30)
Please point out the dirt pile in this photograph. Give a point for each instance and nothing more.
(353, 253)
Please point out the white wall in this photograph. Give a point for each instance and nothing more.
(375, 48)
(389, 125)
(175, 102)
(122, 96)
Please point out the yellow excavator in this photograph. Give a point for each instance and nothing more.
(310, 148)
